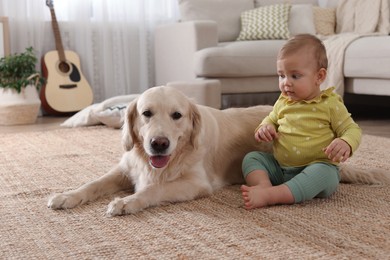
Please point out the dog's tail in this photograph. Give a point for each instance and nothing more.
(351, 174)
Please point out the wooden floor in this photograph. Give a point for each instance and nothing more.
(374, 120)
(378, 125)
(42, 124)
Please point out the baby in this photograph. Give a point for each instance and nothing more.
(312, 131)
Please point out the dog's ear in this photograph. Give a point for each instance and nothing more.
(196, 124)
(129, 137)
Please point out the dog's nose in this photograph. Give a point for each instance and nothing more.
(159, 144)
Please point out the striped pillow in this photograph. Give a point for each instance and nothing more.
(265, 23)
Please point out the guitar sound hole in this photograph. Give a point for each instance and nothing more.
(64, 67)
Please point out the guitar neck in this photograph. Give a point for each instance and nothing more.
(57, 35)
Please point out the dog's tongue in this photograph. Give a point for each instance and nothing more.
(159, 161)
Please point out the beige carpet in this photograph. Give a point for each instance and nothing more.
(353, 223)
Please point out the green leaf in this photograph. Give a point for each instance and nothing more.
(16, 68)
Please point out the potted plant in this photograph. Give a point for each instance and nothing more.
(19, 85)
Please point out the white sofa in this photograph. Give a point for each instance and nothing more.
(203, 46)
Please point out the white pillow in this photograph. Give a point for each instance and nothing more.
(109, 112)
(301, 20)
(291, 2)
(226, 13)
(330, 3)
(112, 116)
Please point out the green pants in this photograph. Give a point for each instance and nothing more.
(314, 180)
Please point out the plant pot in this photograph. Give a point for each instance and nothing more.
(19, 108)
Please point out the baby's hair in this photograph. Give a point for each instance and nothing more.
(310, 42)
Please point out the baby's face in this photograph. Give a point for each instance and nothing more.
(299, 76)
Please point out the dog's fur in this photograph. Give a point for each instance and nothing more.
(176, 151)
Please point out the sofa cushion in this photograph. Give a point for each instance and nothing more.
(367, 86)
(226, 13)
(265, 23)
(368, 57)
(238, 59)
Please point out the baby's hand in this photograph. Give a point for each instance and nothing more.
(266, 133)
(338, 150)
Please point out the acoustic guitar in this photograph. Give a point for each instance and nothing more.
(66, 90)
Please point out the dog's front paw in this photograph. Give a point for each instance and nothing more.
(63, 201)
(123, 206)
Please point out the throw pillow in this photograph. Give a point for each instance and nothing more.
(265, 23)
(324, 20)
(301, 20)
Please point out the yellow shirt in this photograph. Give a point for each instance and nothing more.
(306, 127)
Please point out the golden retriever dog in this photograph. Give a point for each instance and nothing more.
(175, 151)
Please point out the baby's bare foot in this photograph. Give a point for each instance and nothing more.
(259, 196)
(255, 196)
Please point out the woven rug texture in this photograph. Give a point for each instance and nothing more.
(354, 223)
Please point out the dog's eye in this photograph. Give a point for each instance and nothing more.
(176, 115)
(147, 113)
